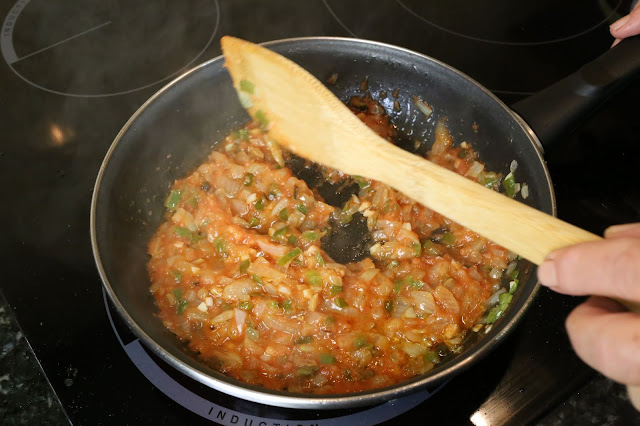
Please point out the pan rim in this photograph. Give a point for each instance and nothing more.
(236, 388)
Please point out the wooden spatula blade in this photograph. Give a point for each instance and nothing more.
(303, 115)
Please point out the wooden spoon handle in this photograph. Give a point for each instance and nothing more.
(520, 228)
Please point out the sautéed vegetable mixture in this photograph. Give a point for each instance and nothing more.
(238, 270)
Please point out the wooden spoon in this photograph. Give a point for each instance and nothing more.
(303, 115)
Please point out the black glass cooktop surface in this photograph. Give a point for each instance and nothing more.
(73, 73)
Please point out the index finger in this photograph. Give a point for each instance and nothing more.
(609, 268)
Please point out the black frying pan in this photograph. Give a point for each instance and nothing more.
(173, 132)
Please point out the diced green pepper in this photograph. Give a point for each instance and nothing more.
(304, 340)
(416, 284)
(256, 278)
(247, 86)
(248, 179)
(431, 248)
(310, 236)
(274, 304)
(509, 185)
(284, 214)
(253, 334)
(262, 119)
(514, 274)
(183, 232)
(182, 304)
(448, 239)
(417, 249)
(244, 265)
(327, 359)
(274, 191)
(360, 342)
(336, 289)
(193, 202)
(490, 180)
(221, 245)
(177, 275)
(259, 204)
(504, 299)
(253, 222)
(244, 134)
(432, 357)
(320, 259)
(503, 302)
(280, 232)
(340, 302)
(292, 239)
(313, 277)
(362, 182)
(289, 256)
(306, 371)
(245, 306)
(302, 208)
(173, 199)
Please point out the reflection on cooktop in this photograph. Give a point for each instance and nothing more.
(105, 48)
(498, 43)
(536, 22)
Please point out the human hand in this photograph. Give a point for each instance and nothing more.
(603, 333)
(626, 26)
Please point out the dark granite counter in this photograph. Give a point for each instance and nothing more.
(26, 397)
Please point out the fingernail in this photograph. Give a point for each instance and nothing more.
(619, 23)
(618, 229)
(547, 273)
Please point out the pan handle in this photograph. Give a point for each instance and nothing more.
(560, 108)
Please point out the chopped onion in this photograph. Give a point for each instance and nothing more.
(280, 324)
(424, 107)
(423, 302)
(369, 274)
(274, 250)
(224, 316)
(475, 170)
(280, 205)
(241, 318)
(413, 349)
(240, 289)
(494, 297)
(230, 186)
(446, 298)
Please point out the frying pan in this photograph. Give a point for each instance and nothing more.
(173, 132)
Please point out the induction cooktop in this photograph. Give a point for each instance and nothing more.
(72, 74)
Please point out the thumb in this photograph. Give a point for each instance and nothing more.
(609, 267)
(628, 25)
